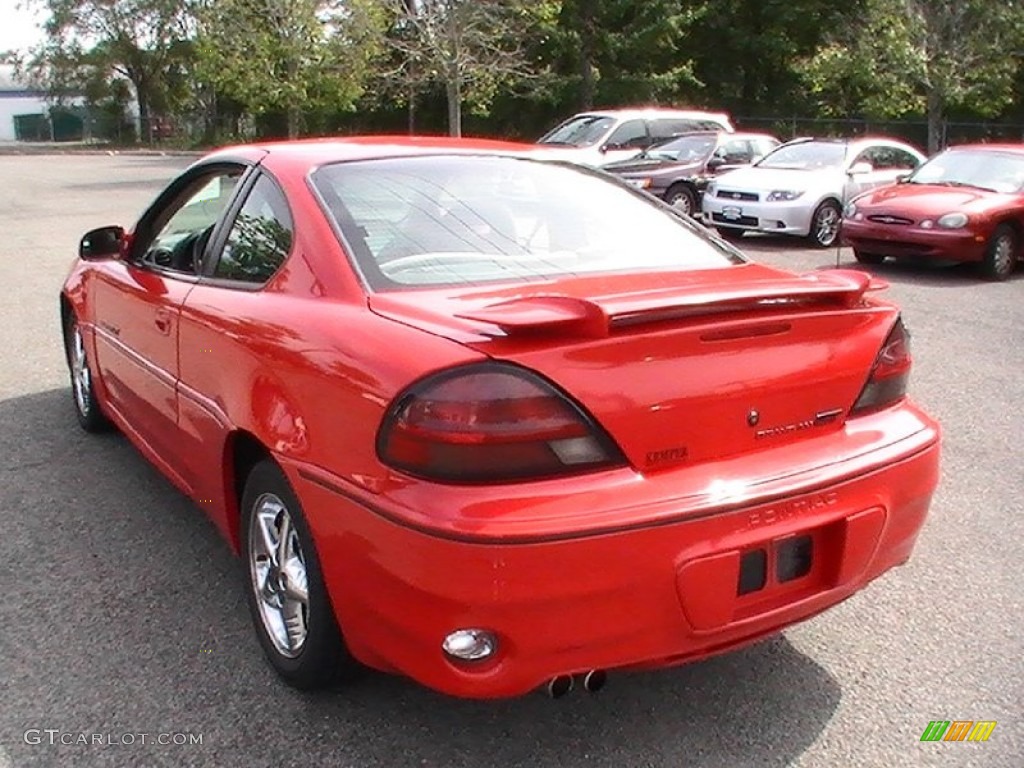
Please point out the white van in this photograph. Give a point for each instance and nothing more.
(600, 137)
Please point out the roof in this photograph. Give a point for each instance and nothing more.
(648, 112)
(723, 133)
(854, 141)
(1016, 149)
(313, 152)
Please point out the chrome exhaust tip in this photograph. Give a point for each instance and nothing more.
(559, 685)
(594, 680)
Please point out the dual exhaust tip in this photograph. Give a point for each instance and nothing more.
(592, 682)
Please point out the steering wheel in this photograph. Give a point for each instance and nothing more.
(160, 257)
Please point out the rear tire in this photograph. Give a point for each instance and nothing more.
(290, 608)
(868, 258)
(83, 392)
(825, 225)
(1000, 254)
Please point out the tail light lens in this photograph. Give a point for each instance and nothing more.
(888, 381)
(488, 423)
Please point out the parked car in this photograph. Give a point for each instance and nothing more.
(965, 204)
(801, 187)
(600, 137)
(678, 170)
(495, 423)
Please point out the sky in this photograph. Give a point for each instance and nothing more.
(17, 26)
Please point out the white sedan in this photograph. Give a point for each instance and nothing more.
(801, 187)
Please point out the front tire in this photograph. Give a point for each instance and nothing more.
(682, 199)
(291, 612)
(868, 258)
(87, 406)
(825, 225)
(1000, 254)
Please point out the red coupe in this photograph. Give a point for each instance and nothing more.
(965, 204)
(493, 423)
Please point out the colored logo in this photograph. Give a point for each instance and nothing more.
(958, 730)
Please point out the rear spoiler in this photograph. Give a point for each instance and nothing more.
(555, 314)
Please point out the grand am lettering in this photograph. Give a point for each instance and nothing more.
(820, 419)
(790, 509)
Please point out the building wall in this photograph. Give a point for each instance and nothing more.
(11, 105)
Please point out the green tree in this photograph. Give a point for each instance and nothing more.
(745, 51)
(144, 41)
(922, 56)
(293, 56)
(471, 47)
(618, 52)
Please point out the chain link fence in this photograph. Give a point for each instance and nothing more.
(912, 131)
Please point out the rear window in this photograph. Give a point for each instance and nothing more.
(455, 220)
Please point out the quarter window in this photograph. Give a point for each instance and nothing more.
(260, 237)
(735, 151)
(632, 133)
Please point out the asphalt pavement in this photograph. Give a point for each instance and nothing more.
(123, 622)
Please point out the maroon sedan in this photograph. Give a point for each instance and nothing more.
(965, 204)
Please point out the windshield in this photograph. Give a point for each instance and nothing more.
(807, 156)
(468, 219)
(686, 149)
(580, 131)
(997, 171)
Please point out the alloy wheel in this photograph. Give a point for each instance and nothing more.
(826, 225)
(277, 569)
(81, 380)
(1002, 254)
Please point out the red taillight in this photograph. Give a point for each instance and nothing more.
(487, 423)
(888, 381)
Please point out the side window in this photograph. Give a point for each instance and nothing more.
(763, 146)
(889, 158)
(904, 160)
(260, 237)
(184, 225)
(632, 133)
(667, 127)
(734, 151)
(868, 156)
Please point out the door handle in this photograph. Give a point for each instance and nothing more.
(163, 321)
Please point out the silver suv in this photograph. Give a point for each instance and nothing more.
(600, 137)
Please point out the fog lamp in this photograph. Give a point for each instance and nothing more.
(470, 644)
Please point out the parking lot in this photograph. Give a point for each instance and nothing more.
(123, 612)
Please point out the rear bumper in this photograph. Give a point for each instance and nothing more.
(884, 240)
(646, 596)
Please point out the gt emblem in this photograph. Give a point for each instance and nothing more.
(753, 417)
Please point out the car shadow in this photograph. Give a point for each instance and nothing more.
(930, 272)
(132, 616)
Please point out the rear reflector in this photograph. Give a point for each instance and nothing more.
(889, 375)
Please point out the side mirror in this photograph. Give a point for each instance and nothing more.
(858, 169)
(603, 149)
(902, 178)
(102, 243)
(716, 162)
